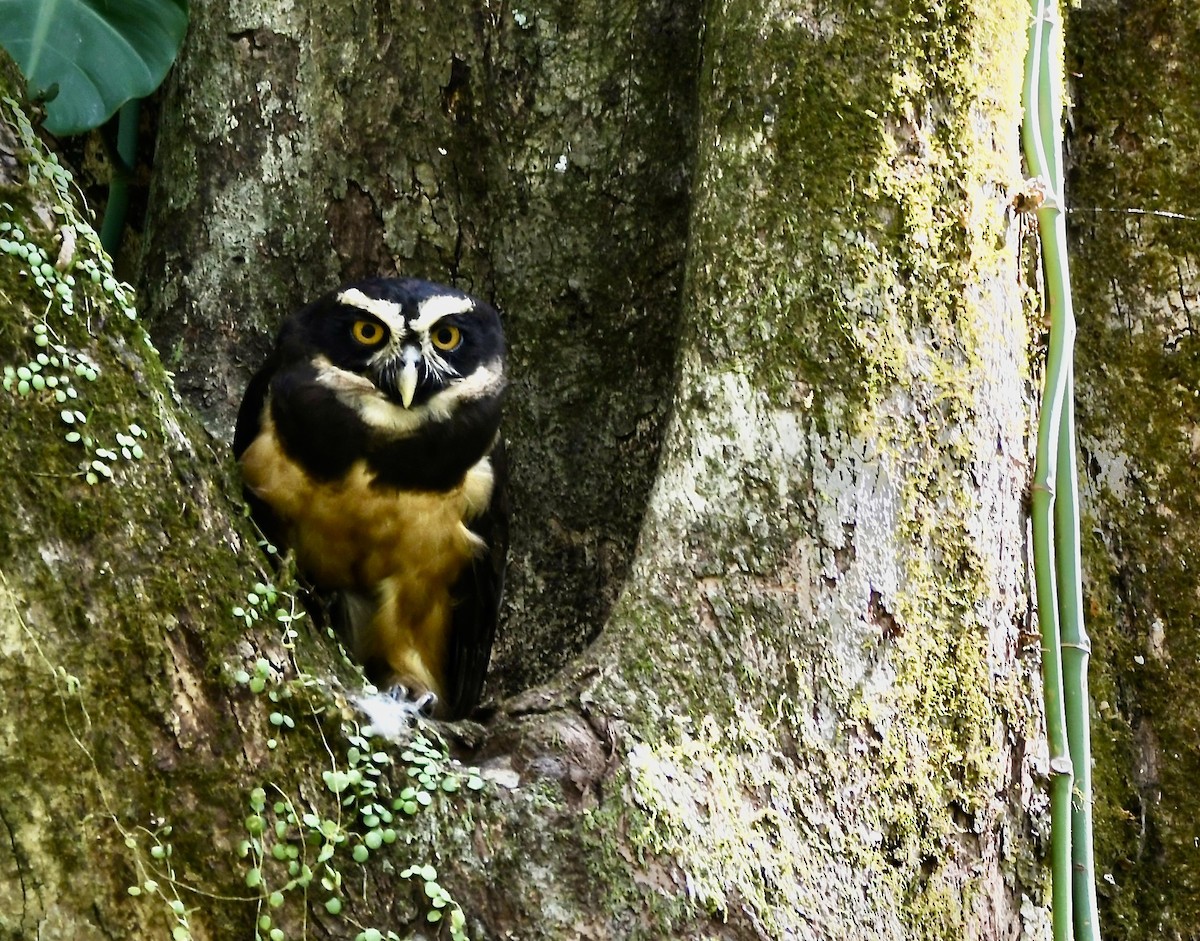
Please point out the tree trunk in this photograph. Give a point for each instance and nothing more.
(1135, 225)
(770, 430)
(539, 160)
(118, 568)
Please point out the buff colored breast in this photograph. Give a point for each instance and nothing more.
(409, 547)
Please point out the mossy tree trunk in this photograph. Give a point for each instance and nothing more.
(120, 561)
(1135, 225)
(768, 636)
(539, 159)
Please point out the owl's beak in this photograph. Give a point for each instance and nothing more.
(408, 375)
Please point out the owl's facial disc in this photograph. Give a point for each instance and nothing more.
(412, 362)
(408, 374)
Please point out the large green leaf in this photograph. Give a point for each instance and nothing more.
(99, 53)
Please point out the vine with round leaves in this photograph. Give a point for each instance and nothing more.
(296, 848)
(66, 274)
(292, 848)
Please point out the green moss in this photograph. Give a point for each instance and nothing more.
(850, 205)
(874, 131)
(123, 569)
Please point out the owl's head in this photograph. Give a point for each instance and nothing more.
(401, 351)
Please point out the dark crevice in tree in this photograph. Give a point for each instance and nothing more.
(585, 430)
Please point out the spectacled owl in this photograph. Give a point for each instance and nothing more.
(369, 445)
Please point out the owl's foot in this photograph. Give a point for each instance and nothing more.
(423, 704)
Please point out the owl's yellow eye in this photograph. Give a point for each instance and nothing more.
(368, 332)
(446, 337)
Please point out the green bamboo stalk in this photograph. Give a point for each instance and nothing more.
(1041, 136)
(1076, 650)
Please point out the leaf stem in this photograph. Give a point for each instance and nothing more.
(124, 159)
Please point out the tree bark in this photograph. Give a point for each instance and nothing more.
(832, 565)
(118, 565)
(769, 421)
(1136, 241)
(538, 159)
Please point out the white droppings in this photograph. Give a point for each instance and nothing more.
(387, 716)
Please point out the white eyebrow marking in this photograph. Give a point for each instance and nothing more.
(387, 311)
(433, 309)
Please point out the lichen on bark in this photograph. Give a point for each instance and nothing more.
(809, 714)
(832, 568)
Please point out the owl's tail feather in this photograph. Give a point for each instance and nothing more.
(352, 613)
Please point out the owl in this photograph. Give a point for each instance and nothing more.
(369, 446)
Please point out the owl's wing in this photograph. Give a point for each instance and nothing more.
(477, 598)
(249, 415)
(249, 424)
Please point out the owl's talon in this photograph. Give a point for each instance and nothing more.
(424, 704)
